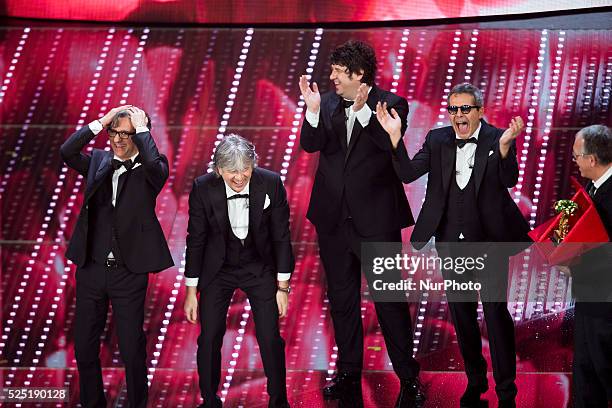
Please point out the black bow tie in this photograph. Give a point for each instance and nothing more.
(238, 196)
(128, 164)
(461, 142)
(347, 104)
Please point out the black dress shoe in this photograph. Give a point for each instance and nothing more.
(342, 384)
(506, 404)
(471, 397)
(411, 394)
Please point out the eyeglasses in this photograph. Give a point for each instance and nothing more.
(123, 135)
(465, 109)
(576, 156)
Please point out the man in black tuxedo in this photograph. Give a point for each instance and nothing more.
(357, 197)
(471, 166)
(238, 238)
(116, 242)
(592, 280)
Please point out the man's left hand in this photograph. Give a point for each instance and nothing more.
(138, 117)
(361, 98)
(282, 300)
(515, 128)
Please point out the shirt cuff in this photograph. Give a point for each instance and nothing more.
(282, 277)
(191, 281)
(95, 127)
(313, 118)
(363, 115)
(141, 129)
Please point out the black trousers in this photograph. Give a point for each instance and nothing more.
(96, 285)
(341, 255)
(214, 303)
(500, 326)
(592, 359)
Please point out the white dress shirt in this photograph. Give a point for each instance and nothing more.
(604, 177)
(465, 162)
(238, 213)
(363, 115)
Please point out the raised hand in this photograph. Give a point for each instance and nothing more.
(108, 117)
(312, 97)
(515, 128)
(137, 116)
(391, 122)
(361, 98)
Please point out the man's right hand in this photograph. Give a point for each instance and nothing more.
(191, 305)
(108, 117)
(312, 97)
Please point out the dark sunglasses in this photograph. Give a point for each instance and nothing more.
(465, 109)
(123, 135)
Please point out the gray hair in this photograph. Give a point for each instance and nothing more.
(234, 153)
(467, 88)
(598, 142)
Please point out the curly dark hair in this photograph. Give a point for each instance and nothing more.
(358, 57)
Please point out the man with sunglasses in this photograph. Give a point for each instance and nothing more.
(471, 166)
(116, 242)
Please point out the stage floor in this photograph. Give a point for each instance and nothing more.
(179, 388)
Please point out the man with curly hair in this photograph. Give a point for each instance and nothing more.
(357, 197)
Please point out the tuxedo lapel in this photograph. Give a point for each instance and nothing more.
(338, 120)
(448, 154)
(257, 196)
(219, 205)
(485, 142)
(357, 128)
(103, 171)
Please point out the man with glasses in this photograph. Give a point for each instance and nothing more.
(591, 277)
(471, 166)
(357, 197)
(116, 242)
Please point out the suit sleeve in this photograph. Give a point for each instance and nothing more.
(411, 170)
(508, 168)
(154, 163)
(281, 237)
(313, 139)
(197, 230)
(71, 150)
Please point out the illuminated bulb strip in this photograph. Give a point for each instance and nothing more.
(244, 53)
(22, 137)
(520, 309)
(33, 105)
(442, 116)
(60, 235)
(552, 102)
(191, 114)
(9, 74)
(5, 84)
(297, 117)
(399, 63)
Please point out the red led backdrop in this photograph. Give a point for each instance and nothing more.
(274, 12)
(198, 84)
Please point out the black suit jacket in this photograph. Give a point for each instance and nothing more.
(140, 236)
(592, 275)
(363, 171)
(209, 225)
(493, 176)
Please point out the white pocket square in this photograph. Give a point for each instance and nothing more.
(490, 152)
(267, 202)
